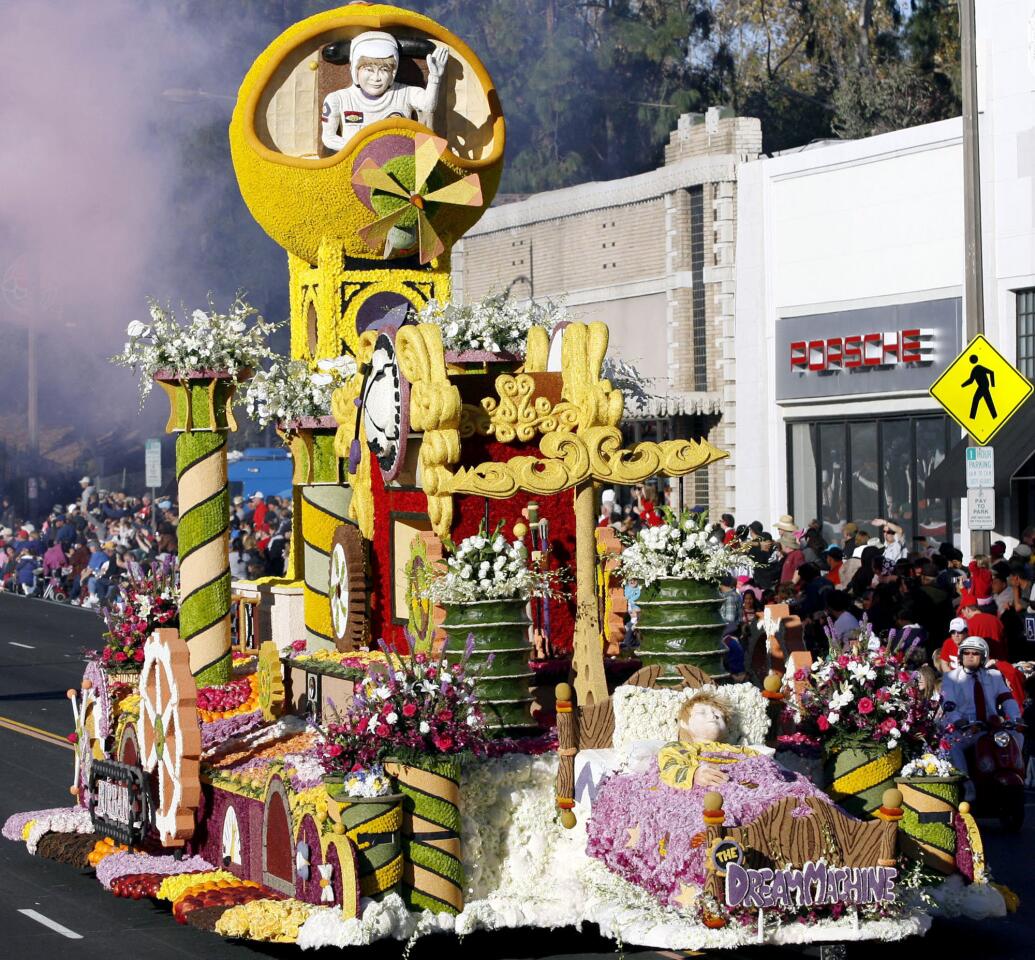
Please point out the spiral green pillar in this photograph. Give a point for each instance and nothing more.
(200, 416)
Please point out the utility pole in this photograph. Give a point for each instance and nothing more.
(973, 282)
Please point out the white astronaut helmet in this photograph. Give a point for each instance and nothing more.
(976, 644)
(373, 43)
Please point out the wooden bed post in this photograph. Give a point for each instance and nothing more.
(588, 655)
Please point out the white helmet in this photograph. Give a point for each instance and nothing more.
(976, 644)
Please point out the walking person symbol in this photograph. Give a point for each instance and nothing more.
(983, 379)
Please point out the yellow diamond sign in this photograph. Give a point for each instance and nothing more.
(981, 389)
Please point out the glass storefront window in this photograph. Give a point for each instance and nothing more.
(898, 469)
(865, 471)
(802, 464)
(832, 475)
(931, 519)
(841, 470)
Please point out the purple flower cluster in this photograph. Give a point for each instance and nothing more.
(665, 848)
(125, 863)
(219, 731)
(15, 823)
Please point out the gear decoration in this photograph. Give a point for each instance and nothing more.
(270, 675)
(169, 734)
(348, 587)
(407, 191)
(385, 402)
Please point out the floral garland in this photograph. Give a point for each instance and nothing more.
(678, 545)
(223, 701)
(645, 713)
(175, 885)
(277, 921)
(220, 731)
(205, 341)
(16, 825)
(290, 390)
(128, 863)
(62, 820)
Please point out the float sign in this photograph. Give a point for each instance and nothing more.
(981, 508)
(980, 467)
(815, 884)
(118, 801)
(152, 463)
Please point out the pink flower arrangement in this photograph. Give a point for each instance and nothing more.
(404, 706)
(865, 693)
(149, 602)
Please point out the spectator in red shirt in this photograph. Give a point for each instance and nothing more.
(985, 625)
(948, 656)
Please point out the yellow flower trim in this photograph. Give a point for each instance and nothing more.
(583, 440)
(870, 774)
(361, 506)
(300, 201)
(277, 921)
(176, 886)
(27, 829)
(312, 801)
(434, 409)
(336, 294)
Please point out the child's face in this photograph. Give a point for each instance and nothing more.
(704, 723)
(374, 77)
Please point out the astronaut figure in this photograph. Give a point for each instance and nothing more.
(374, 94)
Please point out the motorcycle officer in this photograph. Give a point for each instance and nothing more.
(974, 694)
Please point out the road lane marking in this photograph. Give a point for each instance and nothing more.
(35, 732)
(52, 924)
(14, 643)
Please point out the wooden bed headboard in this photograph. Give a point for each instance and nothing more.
(593, 727)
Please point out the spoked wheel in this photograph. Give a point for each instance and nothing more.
(169, 734)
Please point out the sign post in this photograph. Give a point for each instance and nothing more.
(153, 470)
(981, 390)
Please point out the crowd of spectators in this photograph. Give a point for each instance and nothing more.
(84, 551)
(834, 580)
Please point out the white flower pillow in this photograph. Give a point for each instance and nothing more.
(643, 713)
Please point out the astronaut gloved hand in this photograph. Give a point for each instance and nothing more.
(437, 61)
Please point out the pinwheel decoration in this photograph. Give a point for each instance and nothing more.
(406, 191)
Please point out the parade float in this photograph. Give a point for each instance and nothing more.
(376, 745)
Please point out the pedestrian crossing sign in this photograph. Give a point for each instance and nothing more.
(981, 390)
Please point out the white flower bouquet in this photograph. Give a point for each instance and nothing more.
(205, 341)
(490, 567)
(494, 324)
(290, 390)
(678, 546)
(929, 765)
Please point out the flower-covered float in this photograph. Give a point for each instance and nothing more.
(370, 752)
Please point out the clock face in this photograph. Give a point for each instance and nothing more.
(385, 407)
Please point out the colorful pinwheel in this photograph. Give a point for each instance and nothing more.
(406, 190)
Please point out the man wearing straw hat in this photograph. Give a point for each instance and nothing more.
(790, 547)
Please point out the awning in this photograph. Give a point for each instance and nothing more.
(1014, 446)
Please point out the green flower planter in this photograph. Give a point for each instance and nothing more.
(679, 622)
(500, 628)
(928, 807)
(374, 825)
(431, 832)
(859, 775)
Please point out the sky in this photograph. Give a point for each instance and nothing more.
(109, 180)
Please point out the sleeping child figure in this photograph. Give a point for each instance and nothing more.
(648, 827)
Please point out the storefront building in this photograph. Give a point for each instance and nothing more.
(849, 286)
(849, 265)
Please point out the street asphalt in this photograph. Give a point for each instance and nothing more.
(41, 647)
